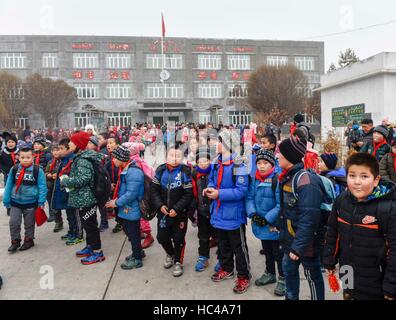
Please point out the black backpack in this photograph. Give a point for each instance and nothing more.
(102, 183)
(36, 170)
(311, 137)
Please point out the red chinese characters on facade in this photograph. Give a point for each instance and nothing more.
(119, 46)
(82, 46)
(235, 75)
(125, 75)
(90, 75)
(202, 75)
(246, 76)
(169, 46)
(213, 75)
(242, 49)
(206, 48)
(77, 75)
(113, 75)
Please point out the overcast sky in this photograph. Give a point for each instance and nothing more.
(246, 19)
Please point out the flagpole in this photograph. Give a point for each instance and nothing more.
(163, 67)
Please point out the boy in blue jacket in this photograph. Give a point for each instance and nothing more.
(228, 187)
(129, 190)
(262, 206)
(26, 189)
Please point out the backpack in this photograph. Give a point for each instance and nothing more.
(102, 183)
(339, 183)
(327, 189)
(311, 137)
(36, 170)
(355, 136)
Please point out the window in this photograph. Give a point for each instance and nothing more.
(172, 61)
(13, 60)
(238, 62)
(87, 91)
(22, 121)
(238, 92)
(118, 61)
(85, 60)
(277, 61)
(155, 90)
(209, 61)
(305, 63)
(17, 93)
(49, 60)
(204, 117)
(118, 91)
(122, 119)
(306, 91)
(81, 119)
(210, 90)
(313, 77)
(240, 117)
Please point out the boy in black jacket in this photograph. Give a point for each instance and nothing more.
(361, 233)
(171, 195)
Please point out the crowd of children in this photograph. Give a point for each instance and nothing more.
(313, 214)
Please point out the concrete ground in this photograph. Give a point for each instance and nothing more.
(26, 274)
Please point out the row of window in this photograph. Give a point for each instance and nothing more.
(85, 60)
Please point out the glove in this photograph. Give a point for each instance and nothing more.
(261, 222)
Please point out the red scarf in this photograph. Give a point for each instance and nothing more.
(20, 177)
(12, 154)
(171, 168)
(220, 176)
(66, 168)
(115, 195)
(262, 176)
(37, 157)
(394, 160)
(377, 146)
(283, 174)
(52, 166)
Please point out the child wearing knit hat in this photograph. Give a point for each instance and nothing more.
(379, 146)
(300, 223)
(328, 168)
(262, 206)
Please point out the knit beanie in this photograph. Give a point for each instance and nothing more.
(122, 153)
(298, 118)
(268, 155)
(330, 160)
(293, 149)
(382, 130)
(41, 140)
(80, 139)
(134, 147)
(94, 140)
(13, 138)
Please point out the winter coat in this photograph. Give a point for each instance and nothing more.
(111, 169)
(381, 152)
(387, 168)
(45, 157)
(172, 189)
(31, 193)
(50, 181)
(363, 235)
(130, 192)
(6, 162)
(199, 183)
(264, 202)
(228, 211)
(81, 180)
(60, 197)
(301, 221)
(367, 138)
(337, 176)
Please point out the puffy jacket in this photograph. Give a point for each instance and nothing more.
(31, 193)
(199, 183)
(44, 157)
(363, 236)
(173, 189)
(130, 192)
(387, 167)
(263, 201)
(228, 211)
(111, 169)
(60, 197)
(338, 177)
(367, 138)
(81, 180)
(301, 221)
(381, 152)
(50, 181)
(6, 162)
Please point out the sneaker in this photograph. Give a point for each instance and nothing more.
(95, 257)
(117, 228)
(103, 227)
(266, 278)
(222, 275)
(15, 244)
(169, 262)
(130, 257)
(87, 251)
(178, 269)
(148, 241)
(130, 264)
(241, 285)
(201, 264)
(66, 236)
(217, 267)
(74, 240)
(280, 289)
(27, 244)
(58, 227)
(51, 218)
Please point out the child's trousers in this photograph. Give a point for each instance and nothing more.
(29, 221)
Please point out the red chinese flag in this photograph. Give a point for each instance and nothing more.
(163, 25)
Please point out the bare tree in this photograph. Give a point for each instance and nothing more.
(12, 103)
(50, 98)
(313, 106)
(277, 116)
(277, 87)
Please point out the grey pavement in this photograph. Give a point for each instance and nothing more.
(106, 280)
